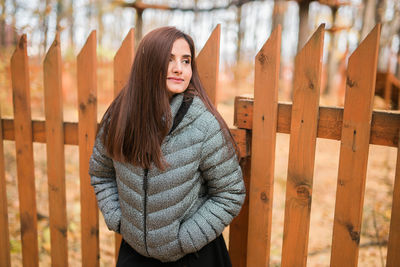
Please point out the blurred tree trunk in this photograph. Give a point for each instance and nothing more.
(138, 24)
(14, 20)
(3, 23)
(71, 24)
(240, 33)
(368, 20)
(332, 61)
(278, 14)
(100, 13)
(304, 28)
(90, 16)
(398, 58)
(45, 26)
(384, 48)
(59, 14)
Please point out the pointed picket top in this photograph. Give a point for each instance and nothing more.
(123, 60)
(266, 84)
(270, 47)
(21, 48)
(87, 72)
(361, 70)
(89, 46)
(354, 149)
(19, 63)
(208, 64)
(313, 43)
(54, 48)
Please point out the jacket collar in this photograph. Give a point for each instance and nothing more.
(175, 103)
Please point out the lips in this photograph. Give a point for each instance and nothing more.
(175, 79)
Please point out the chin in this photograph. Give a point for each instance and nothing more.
(176, 90)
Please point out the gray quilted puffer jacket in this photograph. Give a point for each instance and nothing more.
(165, 215)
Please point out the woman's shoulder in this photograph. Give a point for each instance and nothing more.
(204, 119)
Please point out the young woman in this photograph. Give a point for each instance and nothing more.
(164, 166)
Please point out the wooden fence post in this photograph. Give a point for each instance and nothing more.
(238, 228)
(303, 135)
(265, 110)
(393, 255)
(123, 60)
(354, 149)
(52, 70)
(5, 236)
(24, 148)
(87, 103)
(208, 64)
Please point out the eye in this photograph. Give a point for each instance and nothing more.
(186, 61)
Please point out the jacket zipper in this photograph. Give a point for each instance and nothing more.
(146, 171)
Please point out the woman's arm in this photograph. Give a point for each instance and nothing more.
(226, 191)
(102, 178)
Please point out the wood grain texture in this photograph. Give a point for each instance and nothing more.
(208, 64)
(303, 136)
(123, 60)
(393, 255)
(24, 153)
(267, 64)
(242, 138)
(5, 234)
(354, 151)
(52, 70)
(87, 103)
(384, 124)
(237, 229)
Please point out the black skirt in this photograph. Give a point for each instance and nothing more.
(213, 254)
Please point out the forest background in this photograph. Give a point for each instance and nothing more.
(245, 26)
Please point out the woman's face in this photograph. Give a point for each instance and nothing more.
(179, 67)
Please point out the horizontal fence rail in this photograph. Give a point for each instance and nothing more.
(384, 125)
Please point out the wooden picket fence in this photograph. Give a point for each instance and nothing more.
(257, 121)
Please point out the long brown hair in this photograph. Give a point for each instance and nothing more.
(138, 120)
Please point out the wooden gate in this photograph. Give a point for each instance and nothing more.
(258, 120)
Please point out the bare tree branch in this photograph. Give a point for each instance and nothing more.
(138, 5)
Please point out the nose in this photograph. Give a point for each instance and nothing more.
(177, 67)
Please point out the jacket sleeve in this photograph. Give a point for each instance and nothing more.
(226, 192)
(102, 178)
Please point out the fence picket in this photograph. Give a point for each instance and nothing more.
(87, 103)
(267, 64)
(122, 66)
(208, 64)
(123, 62)
(354, 148)
(5, 236)
(52, 70)
(393, 255)
(303, 135)
(24, 148)
(237, 237)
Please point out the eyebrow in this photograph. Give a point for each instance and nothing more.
(184, 56)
